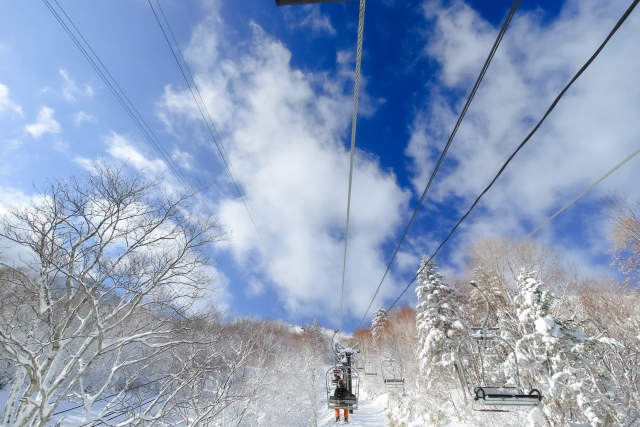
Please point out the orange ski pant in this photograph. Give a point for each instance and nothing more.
(346, 413)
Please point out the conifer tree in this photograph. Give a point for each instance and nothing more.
(436, 318)
(379, 323)
(555, 355)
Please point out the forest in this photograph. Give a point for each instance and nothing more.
(102, 284)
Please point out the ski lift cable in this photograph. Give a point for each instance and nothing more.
(528, 137)
(354, 119)
(218, 141)
(219, 145)
(112, 395)
(591, 187)
(485, 67)
(159, 148)
(565, 207)
(128, 105)
(133, 113)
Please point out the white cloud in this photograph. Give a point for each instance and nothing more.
(287, 132)
(592, 129)
(11, 252)
(255, 288)
(120, 148)
(308, 16)
(11, 197)
(84, 163)
(182, 158)
(124, 151)
(81, 117)
(11, 144)
(6, 103)
(44, 124)
(70, 90)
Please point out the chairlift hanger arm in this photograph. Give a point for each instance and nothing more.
(333, 343)
(486, 301)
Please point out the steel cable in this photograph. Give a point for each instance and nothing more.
(472, 94)
(133, 113)
(218, 142)
(354, 119)
(528, 137)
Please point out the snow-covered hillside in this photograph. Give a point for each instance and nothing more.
(372, 412)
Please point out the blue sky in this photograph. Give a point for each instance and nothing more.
(278, 83)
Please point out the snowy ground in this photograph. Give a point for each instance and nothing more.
(68, 413)
(370, 413)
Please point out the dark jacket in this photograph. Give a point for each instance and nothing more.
(342, 393)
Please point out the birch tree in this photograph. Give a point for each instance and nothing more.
(113, 260)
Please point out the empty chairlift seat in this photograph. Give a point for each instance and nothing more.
(370, 369)
(489, 369)
(507, 396)
(392, 373)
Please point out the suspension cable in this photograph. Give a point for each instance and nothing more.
(133, 113)
(528, 137)
(218, 141)
(579, 196)
(354, 119)
(472, 94)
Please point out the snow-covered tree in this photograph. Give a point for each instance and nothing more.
(556, 356)
(614, 317)
(625, 234)
(112, 263)
(312, 357)
(289, 368)
(379, 323)
(437, 317)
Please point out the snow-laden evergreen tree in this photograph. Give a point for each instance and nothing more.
(436, 317)
(379, 323)
(554, 355)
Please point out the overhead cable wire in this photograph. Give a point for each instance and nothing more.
(512, 246)
(565, 207)
(528, 137)
(131, 110)
(133, 113)
(112, 395)
(579, 196)
(122, 99)
(472, 94)
(354, 120)
(218, 141)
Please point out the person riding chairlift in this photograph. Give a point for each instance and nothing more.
(342, 393)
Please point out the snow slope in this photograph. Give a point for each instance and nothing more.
(370, 413)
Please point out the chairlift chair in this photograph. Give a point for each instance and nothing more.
(489, 367)
(347, 373)
(350, 376)
(392, 373)
(369, 369)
